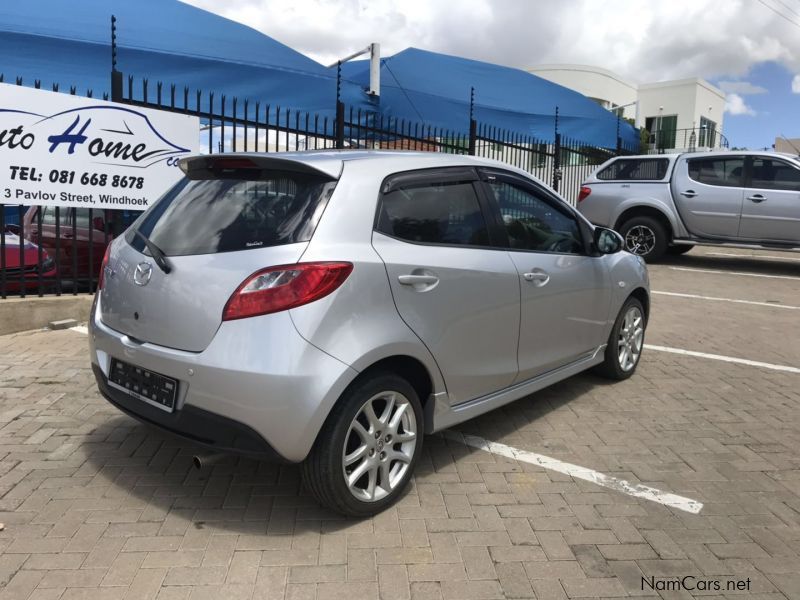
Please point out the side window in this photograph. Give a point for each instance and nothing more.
(533, 222)
(771, 174)
(635, 169)
(82, 217)
(446, 213)
(719, 171)
(49, 215)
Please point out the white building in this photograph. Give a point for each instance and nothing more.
(683, 114)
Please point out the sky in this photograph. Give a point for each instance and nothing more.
(749, 48)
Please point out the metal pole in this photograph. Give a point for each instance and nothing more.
(339, 123)
(375, 69)
(556, 155)
(116, 76)
(338, 82)
(473, 126)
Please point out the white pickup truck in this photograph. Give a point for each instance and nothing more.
(667, 203)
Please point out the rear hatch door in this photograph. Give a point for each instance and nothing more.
(215, 230)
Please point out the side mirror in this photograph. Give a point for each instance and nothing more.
(13, 229)
(607, 241)
(99, 224)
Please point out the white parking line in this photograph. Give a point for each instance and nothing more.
(730, 359)
(691, 269)
(753, 256)
(619, 485)
(80, 329)
(696, 297)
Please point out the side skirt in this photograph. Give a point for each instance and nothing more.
(446, 416)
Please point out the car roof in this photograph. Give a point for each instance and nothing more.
(331, 162)
(713, 154)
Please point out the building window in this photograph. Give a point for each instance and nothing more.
(662, 131)
(708, 133)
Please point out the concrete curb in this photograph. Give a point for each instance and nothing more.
(22, 314)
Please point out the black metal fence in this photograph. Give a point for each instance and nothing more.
(46, 250)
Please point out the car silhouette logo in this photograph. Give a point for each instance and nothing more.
(141, 276)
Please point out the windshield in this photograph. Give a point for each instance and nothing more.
(225, 215)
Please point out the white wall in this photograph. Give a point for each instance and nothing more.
(710, 104)
(689, 99)
(592, 82)
(668, 98)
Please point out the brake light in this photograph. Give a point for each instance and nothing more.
(283, 287)
(101, 278)
(585, 191)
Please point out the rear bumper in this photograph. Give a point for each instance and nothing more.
(210, 430)
(258, 388)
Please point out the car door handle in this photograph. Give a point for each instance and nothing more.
(537, 277)
(757, 198)
(417, 279)
(689, 193)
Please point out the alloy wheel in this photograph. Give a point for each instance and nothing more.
(379, 446)
(640, 240)
(631, 338)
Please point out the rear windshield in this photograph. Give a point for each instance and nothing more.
(633, 169)
(225, 215)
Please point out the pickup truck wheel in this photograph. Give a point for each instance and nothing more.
(645, 237)
(679, 249)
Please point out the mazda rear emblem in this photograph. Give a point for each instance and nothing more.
(141, 276)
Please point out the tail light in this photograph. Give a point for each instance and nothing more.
(283, 287)
(585, 191)
(101, 278)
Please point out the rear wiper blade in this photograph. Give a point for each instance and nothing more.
(155, 251)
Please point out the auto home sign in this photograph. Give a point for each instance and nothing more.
(63, 150)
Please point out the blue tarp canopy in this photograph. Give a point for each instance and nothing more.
(56, 41)
(418, 85)
(63, 42)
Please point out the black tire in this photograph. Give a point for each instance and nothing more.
(679, 249)
(646, 225)
(323, 469)
(610, 367)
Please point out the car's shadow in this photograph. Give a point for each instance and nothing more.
(154, 471)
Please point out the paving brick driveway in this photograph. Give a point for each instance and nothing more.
(98, 506)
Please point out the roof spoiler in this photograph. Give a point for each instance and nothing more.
(200, 167)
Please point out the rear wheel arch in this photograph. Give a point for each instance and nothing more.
(645, 211)
(407, 367)
(642, 296)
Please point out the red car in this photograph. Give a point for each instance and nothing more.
(82, 237)
(24, 274)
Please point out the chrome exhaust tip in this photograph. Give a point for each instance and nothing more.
(200, 461)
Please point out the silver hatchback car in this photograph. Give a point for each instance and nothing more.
(330, 308)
